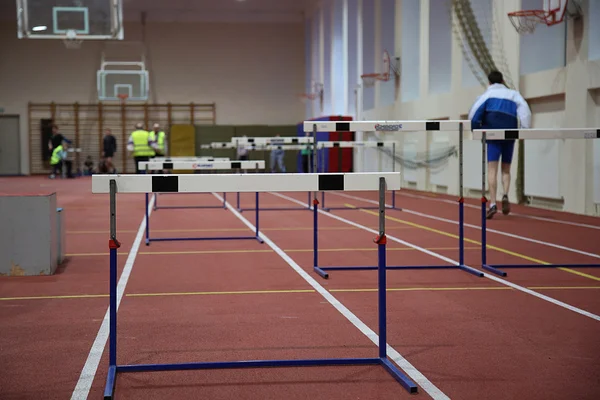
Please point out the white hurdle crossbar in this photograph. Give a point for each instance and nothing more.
(457, 126)
(201, 165)
(190, 158)
(238, 141)
(486, 135)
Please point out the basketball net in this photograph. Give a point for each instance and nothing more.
(71, 41)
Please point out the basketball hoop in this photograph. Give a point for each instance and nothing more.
(370, 79)
(315, 94)
(71, 41)
(123, 97)
(525, 21)
(554, 12)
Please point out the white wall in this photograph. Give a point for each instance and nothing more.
(556, 69)
(253, 72)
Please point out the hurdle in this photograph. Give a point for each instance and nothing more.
(400, 126)
(196, 166)
(358, 144)
(525, 134)
(312, 182)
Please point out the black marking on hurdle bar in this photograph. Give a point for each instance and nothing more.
(167, 160)
(223, 144)
(342, 126)
(336, 144)
(167, 165)
(379, 144)
(598, 133)
(250, 140)
(165, 184)
(331, 182)
(512, 134)
(432, 126)
(295, 140)
(236, 164)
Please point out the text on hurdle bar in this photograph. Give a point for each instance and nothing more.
(246, 183)
(537, 133)
(387, 126)
(202, 165)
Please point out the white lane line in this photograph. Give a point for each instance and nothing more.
(527, 239)
(84, 384)
(451, 261)
(406, 366)
(557, 221)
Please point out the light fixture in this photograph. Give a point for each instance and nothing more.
(39, 28)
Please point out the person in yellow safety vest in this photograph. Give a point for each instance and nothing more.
(58, 159)
(140, 145)
(158, 141)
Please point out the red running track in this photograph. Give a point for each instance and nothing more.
(472, 338)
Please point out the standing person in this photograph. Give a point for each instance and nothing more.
(499, 108)
(158, 142)
(109, 148)
(139, 144)
(242, 151)
(277, 158)
(56, 139)
(58, 160)
(306, 156)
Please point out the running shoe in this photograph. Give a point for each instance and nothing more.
(505, 205)
(493, 210)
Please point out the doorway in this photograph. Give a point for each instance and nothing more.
(10, 145)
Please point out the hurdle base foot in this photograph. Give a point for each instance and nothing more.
(494, 270)
(321, 272)
(402, 379)
(471, 271)
(109, 388)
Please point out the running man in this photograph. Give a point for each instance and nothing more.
(499, 108)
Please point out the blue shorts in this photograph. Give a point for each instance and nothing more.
(497, 148)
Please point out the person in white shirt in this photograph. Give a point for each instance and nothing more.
(499, 108)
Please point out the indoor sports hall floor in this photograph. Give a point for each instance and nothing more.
(531, 335)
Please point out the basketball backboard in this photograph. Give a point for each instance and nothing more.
(59, 19)
(123, 71)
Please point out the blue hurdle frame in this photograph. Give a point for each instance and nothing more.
(498, 268)
(382, 360)
(256, 235)
(322, 271)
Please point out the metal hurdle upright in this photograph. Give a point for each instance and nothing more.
(526, 134)
(198, 166)
(113, 184)
(354, 144)
(400, 126)
(167, 163)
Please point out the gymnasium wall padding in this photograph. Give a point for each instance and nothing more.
(182, 143)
